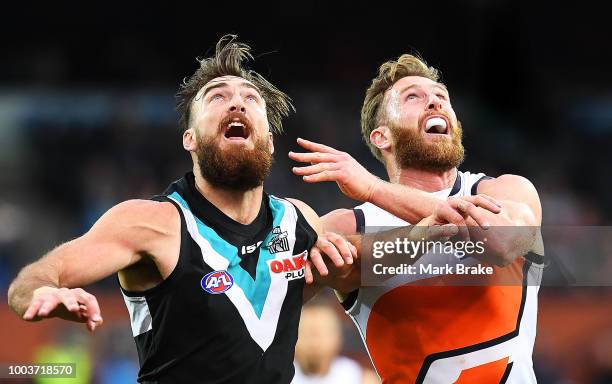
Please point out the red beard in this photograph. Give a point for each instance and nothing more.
(239, 170)
(413, 151)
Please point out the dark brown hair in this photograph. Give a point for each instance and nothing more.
(228, 60)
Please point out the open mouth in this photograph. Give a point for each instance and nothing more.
(236, 130)
(436, 126)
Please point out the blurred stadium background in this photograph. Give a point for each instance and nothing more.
(87, 120)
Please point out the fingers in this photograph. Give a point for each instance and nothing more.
(33, 309)
(342, 246)
(323, 166)
(315, 147)
(469, 209)
(450, 212)
(328, 248)
(491, 199)
(308, 273)
(322, 176)
(335, 247)
(69, 300)
(353, 250)
(312, 169)
(484, 201)
(49, 303)
(314, 157)
(317, 260)
(91, 310)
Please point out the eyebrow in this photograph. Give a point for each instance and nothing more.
(437, 85)
(223, 84)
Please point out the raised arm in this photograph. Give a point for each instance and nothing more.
(356, 182)
(127, 234)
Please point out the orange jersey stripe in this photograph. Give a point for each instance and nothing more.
(415, 321)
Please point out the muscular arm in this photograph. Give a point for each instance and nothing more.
(407, 203)
(519, 199)
(515, 230)
(329, 164)
(515, 227)
(512, 232)
(125, 235)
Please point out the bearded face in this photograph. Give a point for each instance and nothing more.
(414, 150)
(232, 168)
(425, 132)
(233, 144)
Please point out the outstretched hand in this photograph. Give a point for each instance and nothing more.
(69, 304)
(329, 164)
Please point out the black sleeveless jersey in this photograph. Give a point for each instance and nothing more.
(230, 309)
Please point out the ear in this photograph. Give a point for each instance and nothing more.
(189, 140)
(271, 142)
(381, 137)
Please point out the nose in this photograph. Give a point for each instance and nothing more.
(434, 103)
(237, 105)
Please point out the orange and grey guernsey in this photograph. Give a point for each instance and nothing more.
(229, 311)
(425, 328)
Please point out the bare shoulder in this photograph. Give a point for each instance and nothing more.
(155, 216)
(302, 206)
(513, 187)
(145, 209)
(309, 214)
(340, 220)
(517, 191)
(151, 230)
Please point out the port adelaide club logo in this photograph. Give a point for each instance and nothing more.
(278, 242)
(217, 282)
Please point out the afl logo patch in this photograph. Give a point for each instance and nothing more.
(217, 282)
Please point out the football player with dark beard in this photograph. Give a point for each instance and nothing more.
(212, 270)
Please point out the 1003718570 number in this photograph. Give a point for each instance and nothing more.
(64, 370)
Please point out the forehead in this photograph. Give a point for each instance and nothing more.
(226, 81)
(419, 81)
(232, 80)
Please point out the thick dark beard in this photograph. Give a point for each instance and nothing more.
(239, 170)
(412, 151)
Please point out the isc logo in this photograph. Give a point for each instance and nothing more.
(217, 282)
(292, 268)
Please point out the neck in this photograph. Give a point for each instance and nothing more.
(428, 181)
(240, 206)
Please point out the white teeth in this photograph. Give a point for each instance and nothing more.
(436, 122)
(235, 124)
